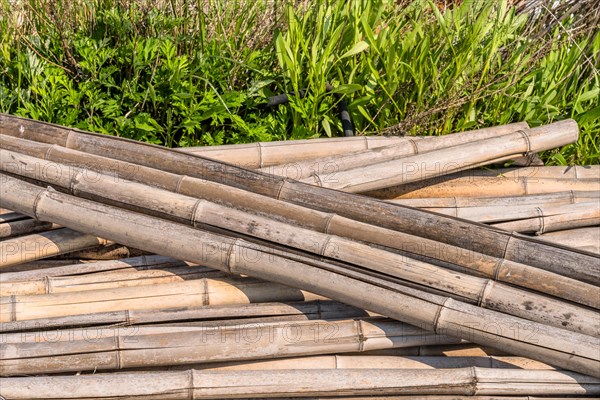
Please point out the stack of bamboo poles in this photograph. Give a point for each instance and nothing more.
(295, 271)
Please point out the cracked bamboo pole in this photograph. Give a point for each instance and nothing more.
(110, 348)
(448, 160)
(70, 176)
(475, 237)
(195, 212)
(563, 348)
(329, 166)
(23, 249)
(194, 384)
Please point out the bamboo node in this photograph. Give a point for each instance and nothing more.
(414, 146)
(527, 141)
(438, 314)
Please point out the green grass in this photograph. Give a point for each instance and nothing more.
(185, 72)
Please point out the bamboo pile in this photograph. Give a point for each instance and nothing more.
(133, 271)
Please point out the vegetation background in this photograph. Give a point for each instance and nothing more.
(199, 72)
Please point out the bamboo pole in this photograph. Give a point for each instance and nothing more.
(195, 384)
(107, 280)
(186, 293)
(194, 212)
(484, 186)
(127, 264)
(563, 348)
(416, 222)
(295, 169)
(237, 313)
(24, 227)
(464, 287)
(112, 348)
(545, 172)
(556, 218)
(43, 245)
(583, 238)
(448, 160)
(549, 199)
(11, 217)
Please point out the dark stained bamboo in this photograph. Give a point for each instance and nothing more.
(461, 286)
(24, 227)
(552, 345)
(491, 267)
(195, 384)
(494, 242)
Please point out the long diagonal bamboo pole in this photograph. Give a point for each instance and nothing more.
(556, 346)
(494, 242)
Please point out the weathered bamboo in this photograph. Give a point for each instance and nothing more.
(486, 293)
(448, 160)
(563, 348)
(185, 209)
(11, 216)
(69, 269)
(329, 166)
(238, 313)
(460, 233)
(110, 348)
(557, 218)
(552, 172)
(187, 293)
(43, 245)
(107, 280)
(195, 384)
(4, 211)
(343, 361)
(584, 238)
(484, 186)
(264, 154)
(24, 227)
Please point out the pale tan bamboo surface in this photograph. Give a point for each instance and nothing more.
(583, 238)
(43, 245)
(420, 223)
(64, 268)
(542, 256)
(427, 310)
(342, 361)
(122, 347)
(484, 186)
(479, 291)
(448, 160)
(240, 221)
(183, 293)
(552, 172)
(329, 166)
(264, 154)
(194, 384)
(556, 219)
(220, 315)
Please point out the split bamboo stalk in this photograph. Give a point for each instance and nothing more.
(548, 199)
(330, 166)
(306, 310)
(113, 348)
(43, 245)
(191, 293)
(485, 293)
(583, 238)
(560, 347)
(24, 227)
(195, 384)
(79, 268)
(343, 361)
(107, 280)
(543, 172)
(191, 211)
(264, 154)
(460, 233)
(484, 186)
(556, 218)
(448, 160)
